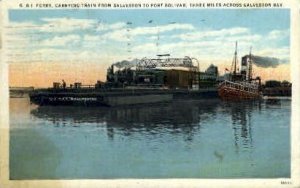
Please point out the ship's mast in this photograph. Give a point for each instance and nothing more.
(250, 66)
(235, 59)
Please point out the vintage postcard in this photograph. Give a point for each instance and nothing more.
(147, 94)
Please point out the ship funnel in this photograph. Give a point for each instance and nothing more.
(244, 67)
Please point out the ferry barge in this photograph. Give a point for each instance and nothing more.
(143, 82)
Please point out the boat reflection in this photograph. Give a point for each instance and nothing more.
(273, 102)
(241, 115)
(180, 117)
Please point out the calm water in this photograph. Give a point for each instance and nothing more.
(186, 139)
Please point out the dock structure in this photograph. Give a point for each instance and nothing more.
(19, 92)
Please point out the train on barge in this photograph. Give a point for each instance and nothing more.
(144, 81)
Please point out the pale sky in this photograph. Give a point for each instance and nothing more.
(78, 45)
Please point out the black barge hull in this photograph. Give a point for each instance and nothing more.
(114, 97)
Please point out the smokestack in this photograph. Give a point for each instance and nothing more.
(244, 67)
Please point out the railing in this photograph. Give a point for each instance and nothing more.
(253, 88)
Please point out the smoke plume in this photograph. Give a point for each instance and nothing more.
(125, 64)
(265, 62)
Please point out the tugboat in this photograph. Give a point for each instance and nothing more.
(241, 85)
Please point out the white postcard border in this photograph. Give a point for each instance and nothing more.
(294, 181)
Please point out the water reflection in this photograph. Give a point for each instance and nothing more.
(189, 139)
(273, 102)
(180, 117)
(241, 115)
